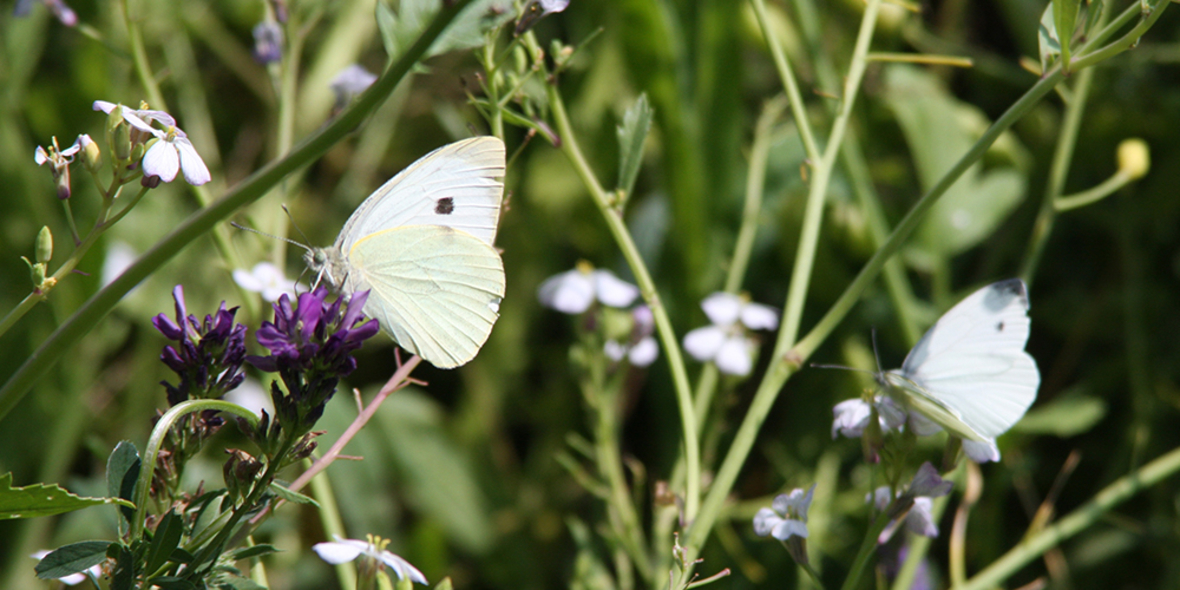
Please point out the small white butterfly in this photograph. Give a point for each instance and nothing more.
(422, 244)
(969, 373)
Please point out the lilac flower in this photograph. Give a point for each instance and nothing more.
(268, 42)
(311, 348)
(727, 343)
(207, 356)
(170, 152)
(914, 506)
(59, 161)
(851, 417)
(786, 520)
(641, 349)
(265, 278)
(535, 10)
(345, 550)
(349, 83)
(60, 10)
(574, 291)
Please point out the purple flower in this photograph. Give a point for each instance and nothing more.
(915, 506)
(207, 355)
(268, 42)
(310, 348)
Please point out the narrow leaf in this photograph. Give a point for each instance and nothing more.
(43, 500)
(1065, 17)
(292, 496)
(71, 559)
(632, 135)
(165, 541)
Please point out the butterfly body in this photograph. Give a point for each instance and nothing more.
(422, 244)
(970, 373)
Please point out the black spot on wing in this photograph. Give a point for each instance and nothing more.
(444, 206)
(1000, 294)
(999, 326)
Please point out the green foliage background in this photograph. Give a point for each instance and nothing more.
(462, 473)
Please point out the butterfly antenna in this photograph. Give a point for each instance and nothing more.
(272, 236)
(296, 226)
(876, 355)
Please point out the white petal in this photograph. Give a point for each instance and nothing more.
(73, 579)
(759, 317)
(982, 451)
(789, 528)
(195, 171)
(248, 280)
(161, 160)
(850, 418)
(614, 350)
(702, 344)
(119, 256)
(252, 396)
(879, 497)
(338, 552)
(402, 567)
(920, 520)
(40, 156)
(77, 147)
(569, 292)
(138, 123)
(104, 106)
(644, 353)
(765, 521)
(892, 415)
(612, 290)
(928, 483)
(735, 357)
(722, 309)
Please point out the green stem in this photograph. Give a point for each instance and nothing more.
(868, 546)
(798, 107)
(606, 438)
(148, 466)
(139, 58)
(618, 229)
(201, 222)
(1078, 520)
(1116, 181)
(321, 488)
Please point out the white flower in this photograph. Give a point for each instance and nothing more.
(727, 342)
(916, 503)
(642, 349)
(787, 516)
(350, 82)
(59, 160)
(93, 572)
(252, 396)
(170, 152)
(265, 278)
(851, 417)
(574, 291)
(981, 451)
(535, 10)
(344, 550)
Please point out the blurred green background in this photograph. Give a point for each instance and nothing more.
(462, 473)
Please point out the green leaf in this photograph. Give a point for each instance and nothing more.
(228, 581)
(1065, 18)
(939, 129)
(1069, 415)
(122, 473)
(71, 559)
(404, 26)
(632, 135)
(43, 500)
(444, 584)
(164, 541)
(173, 583)
(292, 496)
(1047, 44)
(251, 552)
(387, 26)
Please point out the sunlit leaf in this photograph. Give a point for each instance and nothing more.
(43, 500)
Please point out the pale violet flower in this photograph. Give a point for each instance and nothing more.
(267, 279)
(350, 82)
(574, 291)
(786, 520)
(727, 343)
(170, 152)
(851, 417)
(93, 572)
(642, 349)
(63, 12)
(915, 504)
(983, 451)
(268, 42)
(59, 161)
(345, 550)
(535, 10)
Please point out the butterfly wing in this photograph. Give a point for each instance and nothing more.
(456, 186)
(435, 290)
(972, 363)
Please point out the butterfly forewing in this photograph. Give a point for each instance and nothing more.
(457, 186)
(440, 289)
(972, 361)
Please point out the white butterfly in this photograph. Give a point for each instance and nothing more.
(423, 245)
(969, 373)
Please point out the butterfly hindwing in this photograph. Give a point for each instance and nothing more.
(973, 364)
(440, 289)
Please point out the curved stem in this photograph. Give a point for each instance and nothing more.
(618, 229)
(148, 465)
(201, 222)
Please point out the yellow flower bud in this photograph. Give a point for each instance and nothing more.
(1134, 158)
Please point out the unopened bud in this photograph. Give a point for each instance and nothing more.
(1134, 158)
(121, 139)
(44, 245)
(150, 181)
(91, 153)
(62, 180)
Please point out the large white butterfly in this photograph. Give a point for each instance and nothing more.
(969, 373)
(422, 244)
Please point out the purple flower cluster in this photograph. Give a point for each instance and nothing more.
(310, 348)
(207, 356)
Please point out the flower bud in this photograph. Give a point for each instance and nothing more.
(1134, 158)
(91, 153)
(121, 138)
(62, 180)
(44, 245)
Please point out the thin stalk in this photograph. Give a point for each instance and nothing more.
(333, 524)
(201, 222)
(798, 107)
(618, 229)
(868, 546)
(606, 455)
(1088, 197)
(1075, 522)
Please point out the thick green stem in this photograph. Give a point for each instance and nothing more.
(618, 229)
